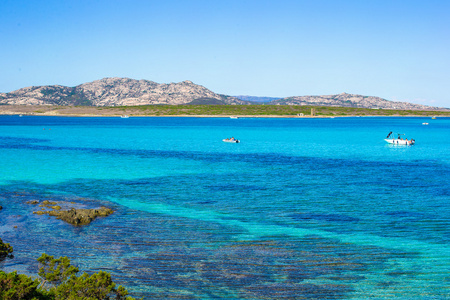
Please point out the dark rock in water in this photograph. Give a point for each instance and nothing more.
(1, 207)
(47, 203)
(65, 211)
(77, 217)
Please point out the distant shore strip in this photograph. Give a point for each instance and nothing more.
(218, 111)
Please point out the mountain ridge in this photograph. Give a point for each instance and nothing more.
(117, 91)
(352, 100)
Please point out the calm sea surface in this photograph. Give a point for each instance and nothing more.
(301, 208)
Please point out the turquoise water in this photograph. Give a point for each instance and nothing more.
(301, 208)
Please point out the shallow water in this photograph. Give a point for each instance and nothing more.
(312, 208)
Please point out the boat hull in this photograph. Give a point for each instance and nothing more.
(230, 141)
(399, 142)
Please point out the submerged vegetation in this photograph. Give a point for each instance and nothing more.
(214, 110)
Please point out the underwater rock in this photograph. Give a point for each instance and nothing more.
(33, 202)
(1, 207)
(77, 217)
(47, 203)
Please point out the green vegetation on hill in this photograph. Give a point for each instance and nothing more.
(215, 110)
(5, 250)
(269, 110)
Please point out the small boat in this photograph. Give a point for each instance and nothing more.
(234, 117)
(399, 140)
(425, 123)
(231, 140)
(124, 116)
(433, 118)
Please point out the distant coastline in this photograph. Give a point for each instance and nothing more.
(267, 111)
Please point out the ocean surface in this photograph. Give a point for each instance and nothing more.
(300, 209)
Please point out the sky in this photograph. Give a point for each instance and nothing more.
(395, 49)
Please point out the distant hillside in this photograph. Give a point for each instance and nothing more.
(116, 92)
(256, 99)
(351, 100)
(131, 92)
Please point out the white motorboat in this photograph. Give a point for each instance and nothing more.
(399, 140)
(231, 140)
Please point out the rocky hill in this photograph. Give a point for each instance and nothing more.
(117, 92)
(131, 92)
(351, 100)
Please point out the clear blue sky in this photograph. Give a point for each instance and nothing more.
(398, 50)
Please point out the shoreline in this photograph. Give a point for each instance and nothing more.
(210, 111)
(213, 116)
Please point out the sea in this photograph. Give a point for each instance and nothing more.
(301, 208)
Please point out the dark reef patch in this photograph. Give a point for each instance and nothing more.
(324, 217)
(269, 268)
